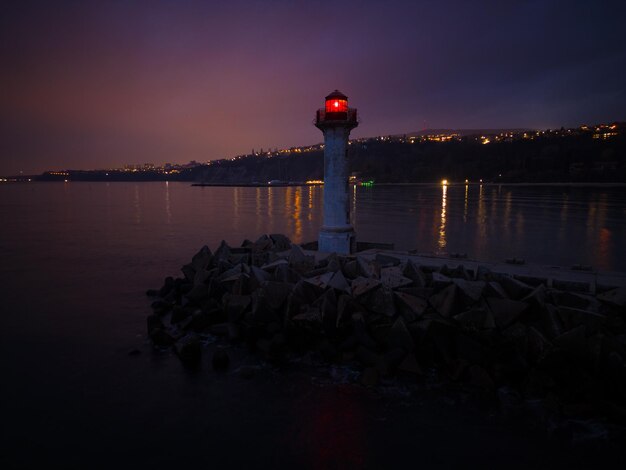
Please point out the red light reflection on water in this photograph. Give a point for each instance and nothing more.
(603, 252)
(333, 432)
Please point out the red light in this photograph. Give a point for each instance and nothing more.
(336, 106)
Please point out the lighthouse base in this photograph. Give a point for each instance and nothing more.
(341, 240)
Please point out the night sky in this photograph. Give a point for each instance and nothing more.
(98, 84)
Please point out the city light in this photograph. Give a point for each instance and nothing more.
(444, 182)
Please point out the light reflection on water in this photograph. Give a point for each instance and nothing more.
(550, 225)
(442, 226)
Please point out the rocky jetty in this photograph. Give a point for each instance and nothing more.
(529, 348)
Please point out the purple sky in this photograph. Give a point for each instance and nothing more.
(97, 84)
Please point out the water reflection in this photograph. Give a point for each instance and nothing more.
(257, 212)
(297, 215)
(442, 227)
(542, 225)
(507, 212)
(168, 208)
(465, 204)
(137, 205)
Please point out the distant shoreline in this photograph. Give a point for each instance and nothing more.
(276, 185)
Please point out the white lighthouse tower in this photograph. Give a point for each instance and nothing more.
(336, 121)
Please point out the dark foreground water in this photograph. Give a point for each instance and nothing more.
(75, 260)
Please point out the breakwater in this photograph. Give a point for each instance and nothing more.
(552, 346)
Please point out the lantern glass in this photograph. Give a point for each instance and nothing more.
(336, 106)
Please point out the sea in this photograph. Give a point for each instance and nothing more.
(81, 385)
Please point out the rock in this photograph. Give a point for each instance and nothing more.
(321, 281)
(241, 285)
(505, 311)
(392, 277)
(152, 292)
(471, 291)
(410, 365)
(339, 282)
(201, 277)
(168, 285)
(309, 319)
(247, 372)
(511, 403)
(483, 273)
(361, 334)
(189, 272)
(388, 362)
(198, 293)
(461, 273)
(364, 267)
(179, 314)
(494, 289)
(440, 281)
(421, 292)
(199, 321)
(400, 337)
(299, 261)
(283, 273)
(514, 288)
(271, 266)
(162, 338)
(442, 335)
(345, 308)
(445, 302)
(476, 319)
(413, 272)
(369, 377)
(381, 301)
(280, 241)
(257, 277)
(202, 259)
(263, 243)
(231, 274)
(160, 307)
(386, 260)
(221, 360)
(306, 292)
(351, 269)
(615, 297)
(328, 308)
(236, 305)
(189, 349)
(134, 352)
(275, 293)
(154, 322)
(538, 345)
(573, 317)
(363, 285)
(470, 350)
(409, 306)
(573, 341)
(570, 299)
(223, 252)
(234, 332)
(550, 321)
(537, 297)
(445, 270)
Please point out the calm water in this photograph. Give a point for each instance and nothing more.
(546, 225)
(76, 258)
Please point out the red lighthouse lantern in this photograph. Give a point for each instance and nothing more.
(336, 102)
(336, 109)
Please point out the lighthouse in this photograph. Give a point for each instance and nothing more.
(336, 120)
